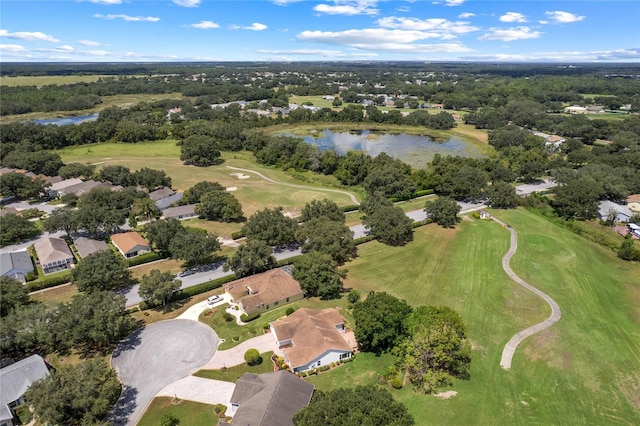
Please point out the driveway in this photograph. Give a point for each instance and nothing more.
(154, 357)
(199, 389)
(235, 356)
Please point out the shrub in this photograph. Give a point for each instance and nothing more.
(220, 409)
(252, 357)
(265, 326)
(146, 258)
(169, 420)
(396, 383)
(249, 318)
(354, 296)
(350, 208)
(324, 368)
(237, 235)
(290, 310)
(475, 215)
(228, 317)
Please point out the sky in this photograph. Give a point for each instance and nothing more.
(330, 30)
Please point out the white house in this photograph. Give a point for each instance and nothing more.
(16, 265)
(609, 209)
(311, 338)
(16, 379)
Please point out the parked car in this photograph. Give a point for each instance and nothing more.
(214, 299)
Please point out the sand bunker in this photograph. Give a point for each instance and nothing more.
(228, 242)
(232, 188)
(240, 175)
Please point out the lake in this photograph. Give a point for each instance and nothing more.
(63, 121)
(413, 150)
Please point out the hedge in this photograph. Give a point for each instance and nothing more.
(146, 258)
(417, 194)
(289, 261)
(237, 235)
(350, 208)
(249, 318)
(363, 240)
(202, 288)
(48, 282)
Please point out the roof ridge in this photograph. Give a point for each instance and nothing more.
(273, 394)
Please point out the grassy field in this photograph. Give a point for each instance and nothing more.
(47, 80)
(584, 370)
(231, 374)
(188, 412)
(253, 193)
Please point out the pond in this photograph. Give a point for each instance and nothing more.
(63, 121)
(413, 150)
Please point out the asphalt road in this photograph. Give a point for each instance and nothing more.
(154, 357)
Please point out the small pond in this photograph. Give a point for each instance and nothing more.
(413, 150)
(63, 121)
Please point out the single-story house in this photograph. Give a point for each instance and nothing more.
(269, 399)
(130, 244)
(55, 189)
(86, 246)
(575, 109)
(595, 109)
(16, 379)
(180, 212)
(161, 193)
(261, 292)
(633, 202)
(81, 188)
(166, 202)
(311, 338)
(634, 228)
(484, 214)
(608, 209)
(16, 265)
(53, 254)
(9, 210)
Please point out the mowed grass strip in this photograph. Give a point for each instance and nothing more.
(583, 370)
(188, 413)
(231, 374)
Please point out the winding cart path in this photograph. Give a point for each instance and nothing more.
(511, 346)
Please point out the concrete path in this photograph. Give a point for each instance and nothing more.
(198, 389)
(510, 348)
(235, 356)
(353, 198)
(193, 313)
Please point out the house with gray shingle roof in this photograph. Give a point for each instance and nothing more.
(16, 379)
(180, 212)
(165, 203)
(86, 246)
(269, 399)
(54, 255)
(16, 265)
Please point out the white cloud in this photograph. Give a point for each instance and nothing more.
(403, 9)
(347, 8)
(510, 34)
(513, 17)
(107, 2)
(621, 55)
(29, 36)
(318, 52)
(559, 17)
(89, 43)
(188, 3)
(205, 25)
(127, 17)
(284, 2)
(440, 25)
(416, 48)
(453, 2)
(59, 49)
(256, 26)
(13, 48)
(466, 15)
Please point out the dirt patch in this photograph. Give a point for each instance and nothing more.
(231, 189)
(292, 213)
(541, 347)
(630, 388)
(240, 175)
(446, 395)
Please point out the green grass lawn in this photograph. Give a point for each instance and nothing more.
(583, 370)
(187, 412)
(231, 374)
(253, 193)
(235, 334)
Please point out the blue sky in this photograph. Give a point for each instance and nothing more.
(299, 30)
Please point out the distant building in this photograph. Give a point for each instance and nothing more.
(575, 109)
(15, 379)
(609, 209)
(166, 202)
(54, 255)
(16, 265)
(130, 244)
(269, 399)
(180, 212)
(161, 193)
(86, 246)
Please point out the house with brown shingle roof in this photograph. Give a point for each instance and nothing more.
(54, 255)
(130, 244)
(269, 399)
(311, 338)
(261, 292)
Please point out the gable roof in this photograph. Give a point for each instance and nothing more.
(634, 198)
(270, 398)
(19, 260)
(87, 246)
(17, 377)
(607, 206)
(313, 332)
(188, 209)
(52, 249)
(265, 288)
(57, 186)
(128, 240)
(161, 193)
(164, 203)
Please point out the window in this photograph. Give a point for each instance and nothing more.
(287, 299)
(345, 355)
